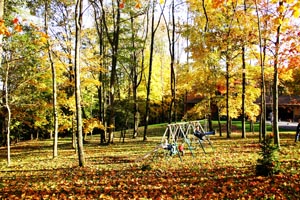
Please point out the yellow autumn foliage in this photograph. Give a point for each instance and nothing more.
(90, 124)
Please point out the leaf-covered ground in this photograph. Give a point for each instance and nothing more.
(121, 171)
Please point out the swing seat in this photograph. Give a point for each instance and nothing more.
(210, 133)
(172, 149)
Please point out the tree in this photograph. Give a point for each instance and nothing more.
(78, 24)
(276, 23)
(113, 39)
(19, 70)
(153, 30)
(7, 106)
(285, 10)
(220, 35)
(101, 89)
(244, 83)
(2, 26)
(1, 34)
(262, 51)
(268, 163)
(171, 38)
(54, 85)
(131, 58)
(275, 78)
(136, 72)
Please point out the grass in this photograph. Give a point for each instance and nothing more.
(123, 171)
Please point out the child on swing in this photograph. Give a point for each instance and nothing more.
(169, 147)
(199, 134)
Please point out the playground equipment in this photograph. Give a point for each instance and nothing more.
(178, 135)
(185, 131)
(206, 133)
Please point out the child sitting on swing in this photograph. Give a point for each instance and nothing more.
(199, 134)
(170, 147)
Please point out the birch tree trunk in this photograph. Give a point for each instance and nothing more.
(8, 114)
(262, 132)
(78, 21)
(275, 84)
(5, 88)
(54, 88)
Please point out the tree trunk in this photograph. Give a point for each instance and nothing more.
(101, 88)
(1, 50)
(210, 125)
(54, 88)
(134, 80)
(8, 114)
(252, 126)
(74, 137)
(5, 90)
(149, 73)
(187, 62)
(153, 30)
(114, 43)
(275, 85)
(243, 93)
(262, 49)
(172, 111)
(78, 21)
(219, 123)
(228, 128)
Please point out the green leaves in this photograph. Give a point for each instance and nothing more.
(268, 164)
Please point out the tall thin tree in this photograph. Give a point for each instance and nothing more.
(5, 89)
(262, 48)
(101, 77)
(171, 39)
(54, 88)
(8, 118)
(152, 32)
(113, 40)
(78, 24)
(275, 79)
(244, 82)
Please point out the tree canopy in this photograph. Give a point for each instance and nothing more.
(214, 43)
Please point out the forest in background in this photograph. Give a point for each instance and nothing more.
(77, 67)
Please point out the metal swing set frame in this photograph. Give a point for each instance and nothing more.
(184, 131)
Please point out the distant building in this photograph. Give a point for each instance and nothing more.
(288, 106)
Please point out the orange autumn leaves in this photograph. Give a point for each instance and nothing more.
(137, 5)
(292, 5)
(16, 26)
(4, 30)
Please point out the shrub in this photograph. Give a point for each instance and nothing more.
(268, 164)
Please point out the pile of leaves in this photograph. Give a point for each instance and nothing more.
(225, 172)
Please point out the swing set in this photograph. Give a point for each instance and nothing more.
(177, 135)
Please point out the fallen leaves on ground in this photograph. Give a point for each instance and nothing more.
(228, 172)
